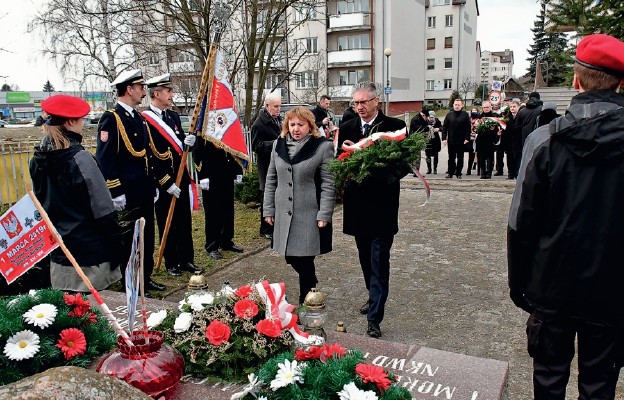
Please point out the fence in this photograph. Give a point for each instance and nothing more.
(15, 179)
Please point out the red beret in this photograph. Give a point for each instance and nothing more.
(64, 106)
(602, 53)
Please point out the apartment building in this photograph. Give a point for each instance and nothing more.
(496, 65)
(451, 51)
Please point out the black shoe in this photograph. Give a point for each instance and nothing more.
(458, 176)
(511, 177)
(189, 266)
(267, 236)
(435, 171)
(174, 271)
(365, 308)
(151, 285)
(216, 255)
(448, 176)
(498, 174)
(233, 248)
(373, 330)
(469, 172)
(428, 171)
(483, 177)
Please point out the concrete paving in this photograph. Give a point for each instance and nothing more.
(448, 287)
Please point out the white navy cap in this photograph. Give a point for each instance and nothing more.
(129, 77)
(160, 81)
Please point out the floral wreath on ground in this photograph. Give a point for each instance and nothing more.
(48, 328)
(384, 158)
(326, 372)
(224, 334)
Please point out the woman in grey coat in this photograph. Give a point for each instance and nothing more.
(299, 195)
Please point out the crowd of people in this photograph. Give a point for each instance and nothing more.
(564, 223)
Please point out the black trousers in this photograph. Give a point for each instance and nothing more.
(486, 162)
(307, 274)
(456, 159)
(374, 254)
(471, 157)
(512, 171)
(265, 228)
(219, 214)
(551, 344)
(135, 209)
(179, 246)
(500, 160)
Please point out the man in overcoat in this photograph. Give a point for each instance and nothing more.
(371, 209)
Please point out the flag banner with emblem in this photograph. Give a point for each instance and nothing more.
(221, 124)
(25, 239)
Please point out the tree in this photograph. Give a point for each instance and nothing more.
(48, 87)
(454, 96)
(467, 85)
(550, 50)
(482, 91)
(587, 16)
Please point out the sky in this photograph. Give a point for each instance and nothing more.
(502, 24)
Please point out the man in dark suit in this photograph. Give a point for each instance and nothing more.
(126, 160)
(322, 114)
(169, 140)
(265, 129)
(371, 209)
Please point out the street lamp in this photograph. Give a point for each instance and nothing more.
(483, 81)
(388, 53)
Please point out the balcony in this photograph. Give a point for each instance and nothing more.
(343, 22)
(353, 57)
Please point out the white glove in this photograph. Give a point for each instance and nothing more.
(204, 183)
(157, 195)
(190, 140)
(119, 202)
(174, 190)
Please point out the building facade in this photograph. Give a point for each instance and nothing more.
(496, 65)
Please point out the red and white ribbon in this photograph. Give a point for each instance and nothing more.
(427, 187)
(499, 121)
(278, 309)
(367, 141)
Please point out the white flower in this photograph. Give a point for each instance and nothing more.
(13, 302)
(32, 293)
(227, 290)
(41, 315)
(181, 304)
(156, 318)
(197, 301)
(287, 373)
(352, 392)
(22, 346)
(262, 398)
(252, 387)
(183, 322)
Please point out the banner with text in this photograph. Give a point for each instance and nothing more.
(24, 239)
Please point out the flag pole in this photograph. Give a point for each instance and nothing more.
(205, 89)
(96, 295)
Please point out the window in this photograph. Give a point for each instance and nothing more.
(304, 12)
(429, 85)
(448, 83)
(448, 20)
(351, 77)
(431, 44)
(448, 63)
(274, 80)
(441, 2)
(431, 63)
(352, 6)
(431, 22)
(448, 42)
(307, 79)
(307, 45)
(153, 58)
(353, 42)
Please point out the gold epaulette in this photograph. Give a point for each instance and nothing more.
(161, 156)
(124, 136)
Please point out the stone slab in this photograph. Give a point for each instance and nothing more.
(427, 373)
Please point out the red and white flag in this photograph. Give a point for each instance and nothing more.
(222, 125)
(25, 239)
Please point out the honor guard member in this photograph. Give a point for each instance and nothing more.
(126, 158)
(166, 131)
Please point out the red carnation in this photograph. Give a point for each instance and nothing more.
(245, 308)
(343, 156)
(373, 374)
(313, 353)
(81, 306)
(243, 291)
(72, 343)
(332, 350)
(92, 318)
(218, 333)
(269, 328)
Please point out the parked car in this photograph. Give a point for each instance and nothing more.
(477, 102)
(289, 106)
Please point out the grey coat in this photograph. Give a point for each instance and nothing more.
(298, 193)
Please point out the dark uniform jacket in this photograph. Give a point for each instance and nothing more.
(214, 163)
(527, 117)
(71, 189)
(319, 115)
(125, 156)
(371, 209)
(166, 157)
(565, 230)
(263, 132)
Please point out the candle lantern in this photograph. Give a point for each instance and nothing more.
(197, 281)
(314, 313)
